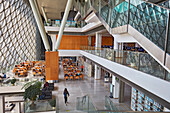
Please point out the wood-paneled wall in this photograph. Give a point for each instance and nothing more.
(52, 65)
(105, 40)
(73, 42)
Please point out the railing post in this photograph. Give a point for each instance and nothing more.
(88, 104)
(166, 42)
(139, 61)
(110, 12)
(99, 6)
(114, 56)
(128, 15)
(123, 58)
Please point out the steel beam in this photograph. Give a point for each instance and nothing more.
(67, 9)
(45, 16)
(40, 24)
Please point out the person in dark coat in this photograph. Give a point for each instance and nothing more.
(66, 95)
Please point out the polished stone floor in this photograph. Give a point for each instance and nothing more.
(96, 89)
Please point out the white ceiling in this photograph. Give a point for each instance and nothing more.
(52, 8)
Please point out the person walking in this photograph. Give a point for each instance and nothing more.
(66, 95)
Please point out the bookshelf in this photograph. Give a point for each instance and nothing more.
(141, 102)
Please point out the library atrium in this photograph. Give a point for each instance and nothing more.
(84, 56)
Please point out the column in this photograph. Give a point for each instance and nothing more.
(53, 39)
(2, 104)
(40, 24)
(18, 107)
(115, 43)
(98, 41)
(115, 82)
(89, 39)
(97, 73)
(121, 91)
(67, 10)
(45, 16)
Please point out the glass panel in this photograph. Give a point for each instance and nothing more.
(150, 20)
(84, 104)
(109, 104)
(41, 106)
(137, 60)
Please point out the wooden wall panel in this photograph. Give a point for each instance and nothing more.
(93, 41)
(52, 65)
(105, 40)
(73, 42)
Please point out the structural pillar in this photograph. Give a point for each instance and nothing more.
(115, 43)
(45, 16)
(2, 104)
(52, 66)
(67, 9)
(18, 107)
(98, 41)
(115, 83)
(40, 24)
(53, 39)
(97, 74)
(89, 39)
(121, 91)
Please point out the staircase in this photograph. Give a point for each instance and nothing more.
(146, 22)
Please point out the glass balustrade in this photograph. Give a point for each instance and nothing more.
(137, 60)
(147, 18)
(150, 20)
(109, 105)
(84, 104)
(69, 23)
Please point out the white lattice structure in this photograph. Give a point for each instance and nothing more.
(17, 33)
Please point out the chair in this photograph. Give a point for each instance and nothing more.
(71, 78)
(77, 77)
(66, 78)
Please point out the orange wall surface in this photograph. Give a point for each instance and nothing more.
(73, 42)
(52, 65)
(105, 41)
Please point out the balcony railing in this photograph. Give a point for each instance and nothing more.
(136, 60)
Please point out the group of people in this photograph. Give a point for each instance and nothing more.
(4, 76)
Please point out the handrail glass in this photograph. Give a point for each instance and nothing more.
(84, 104)
(136, 60)
(147, 18)
(109, 105)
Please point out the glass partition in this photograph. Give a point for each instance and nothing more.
(84, 104)
(42, 106)
(138, 60)
(109, 104)
(150, 20)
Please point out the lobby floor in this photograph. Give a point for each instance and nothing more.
(96, 89)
